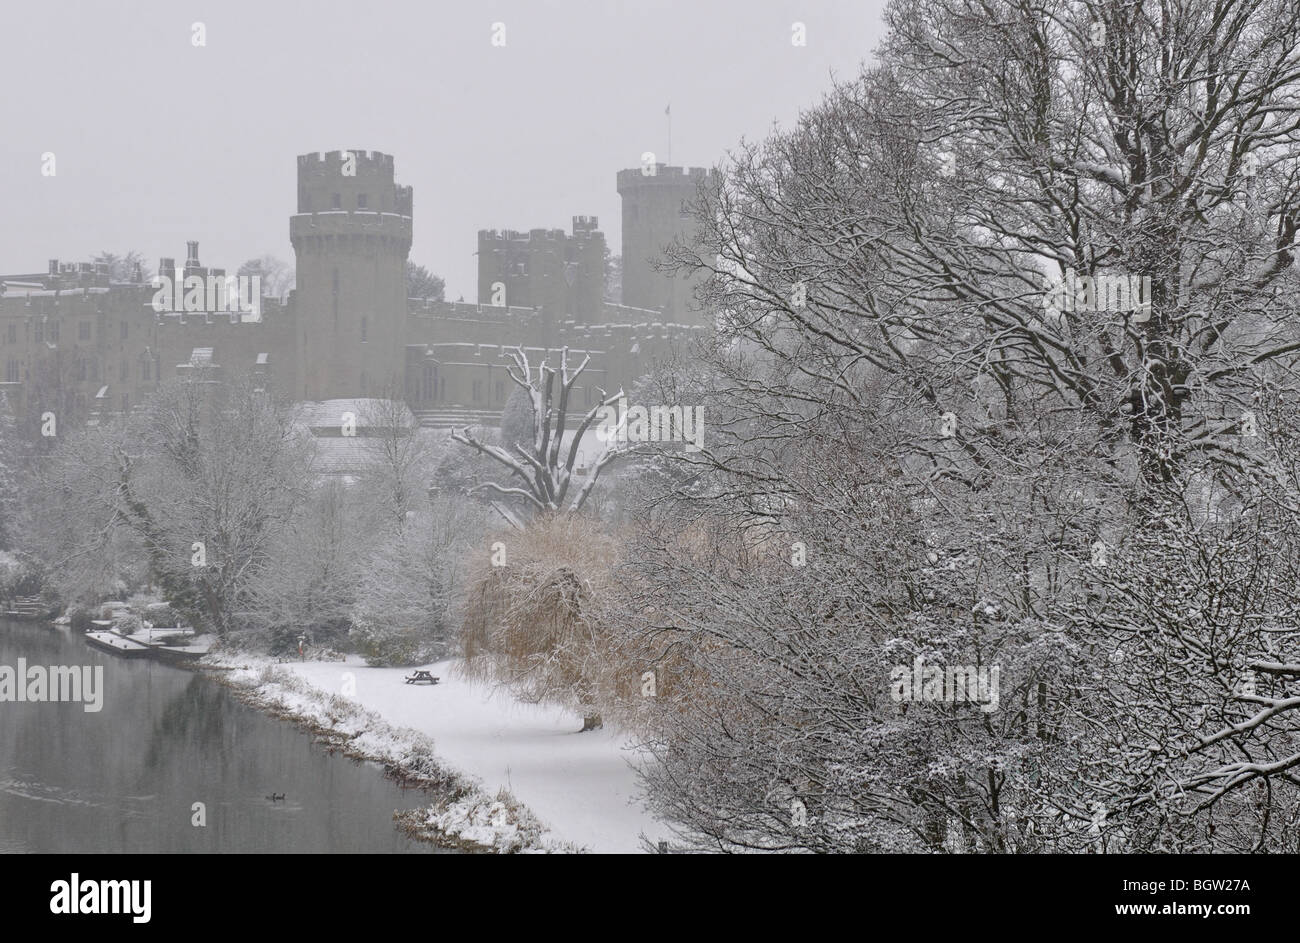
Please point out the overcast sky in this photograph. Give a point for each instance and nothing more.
(157, 141)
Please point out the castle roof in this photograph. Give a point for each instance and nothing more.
(327, 415)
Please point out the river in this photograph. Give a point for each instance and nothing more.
(126, 779)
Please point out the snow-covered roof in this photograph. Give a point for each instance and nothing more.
(328, 414)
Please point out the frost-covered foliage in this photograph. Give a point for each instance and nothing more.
(14, 455)
(191, 490)
(411, 586)
(913, 454)
(542, 469)
(311, 586)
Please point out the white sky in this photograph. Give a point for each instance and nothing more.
(157, 141)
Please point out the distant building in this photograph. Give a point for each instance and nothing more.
(77, 343)
(545, 268)
(657, 213)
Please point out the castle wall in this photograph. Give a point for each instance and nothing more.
(545, 268)
(73, 342)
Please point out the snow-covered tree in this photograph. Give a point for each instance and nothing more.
(532, 616)
(413, 581)
(311, 582)
(398, 456)
(13, 455)
(915, 453)
(542, 468)
(202, 480)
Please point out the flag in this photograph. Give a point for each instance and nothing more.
(668, 110)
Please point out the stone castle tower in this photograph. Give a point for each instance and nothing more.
(351, 238)
(545, 268)
(654, 215)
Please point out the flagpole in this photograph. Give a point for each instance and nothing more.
(669, 112)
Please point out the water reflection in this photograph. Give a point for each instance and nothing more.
(125, 779)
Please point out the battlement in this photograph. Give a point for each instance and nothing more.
(584, 227)
(664, 175)
(331, 161)
(514, 235)
(323, 185)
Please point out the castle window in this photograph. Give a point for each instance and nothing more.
(478, 390)
(363, 329)
(126, 402)
(144, 369)
(122, 372)
(338, 201)
(40, 332)
(500, 390)
(81, 369)
(83, 331)
(126, 328)
(362, 200)
(11, 371)
(13, 333)
(363, 381)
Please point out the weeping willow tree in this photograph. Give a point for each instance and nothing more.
(533, 621)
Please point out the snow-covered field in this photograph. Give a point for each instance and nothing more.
(578, 785)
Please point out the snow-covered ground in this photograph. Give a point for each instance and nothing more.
(578, 785)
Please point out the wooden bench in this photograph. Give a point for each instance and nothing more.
(421, 677)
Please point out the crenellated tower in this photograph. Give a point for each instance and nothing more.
(545, 268)
(656, 212)
(351, 237)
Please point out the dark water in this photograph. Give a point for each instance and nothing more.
(125, 779)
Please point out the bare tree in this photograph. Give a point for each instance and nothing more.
(276, 274)
(543, 469)
(204, 478)
(413, 582)
(398, 455)
(951, 444)
(533, 616)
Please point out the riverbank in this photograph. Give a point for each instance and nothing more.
(506, 776)
(174, 763)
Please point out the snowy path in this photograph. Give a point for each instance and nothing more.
(579, 785)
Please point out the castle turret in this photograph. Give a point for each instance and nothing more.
(351, 238)
(655, 214)
(545, 268)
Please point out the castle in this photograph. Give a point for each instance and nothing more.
(79, 343)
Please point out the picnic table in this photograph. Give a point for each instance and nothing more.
(420, 677)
